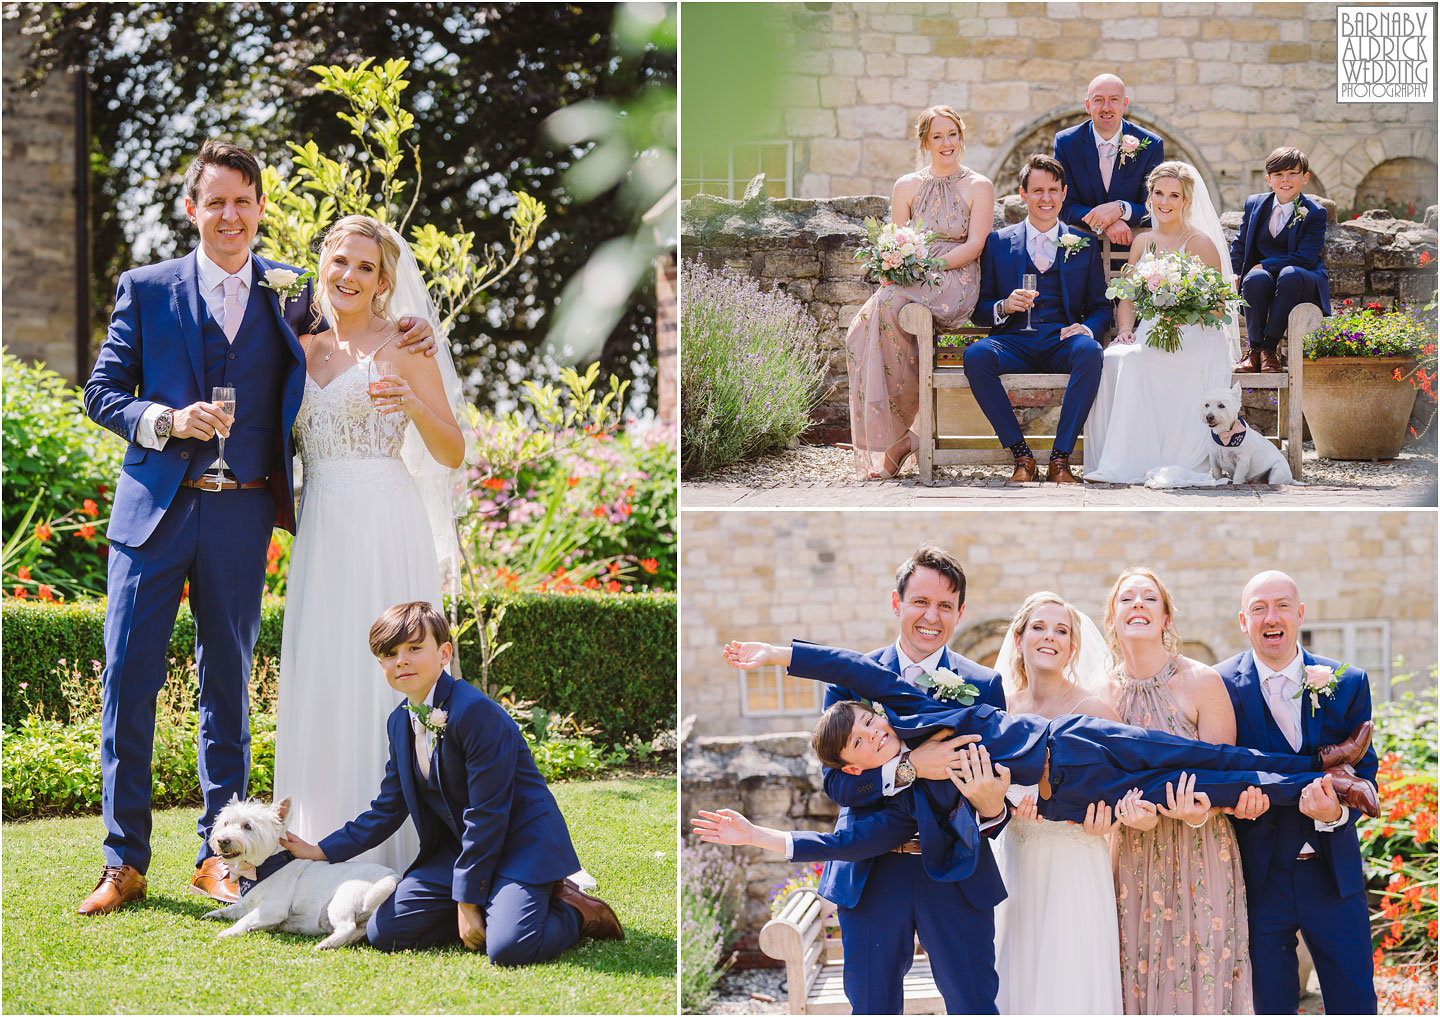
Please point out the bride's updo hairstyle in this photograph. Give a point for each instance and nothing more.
(1022, 619)
(1176, 171)
(371, 229)
(922, 129)
(1170, 638)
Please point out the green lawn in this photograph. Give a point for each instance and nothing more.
(157, 956)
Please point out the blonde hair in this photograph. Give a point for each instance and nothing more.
(1170, 638)
(922, 128)
(385, 239)
(1175, 171)
(1022, 619)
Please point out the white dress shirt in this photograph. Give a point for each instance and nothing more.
(1031, 233)
(1115, 140)
(1294, 673)
(211, 279)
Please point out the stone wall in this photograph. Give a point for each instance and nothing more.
(827, 576)
(1222, 83)
(39, 209)
(806, 247)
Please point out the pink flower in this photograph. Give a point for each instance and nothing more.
(891, 259)
(1129, 143)
(438, 719)
(1318, 676)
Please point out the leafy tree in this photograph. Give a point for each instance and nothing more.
(166, 76)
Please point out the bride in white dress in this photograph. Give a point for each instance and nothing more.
(364, 540)
(1057, 938)
(1146, 426)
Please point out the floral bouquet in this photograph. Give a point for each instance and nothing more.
(1174, 289)
(900, 254)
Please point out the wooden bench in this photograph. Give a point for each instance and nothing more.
(934, 449)
(806, 936)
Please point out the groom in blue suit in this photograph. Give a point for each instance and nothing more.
(1302, 863)
(1069, 312)
(884, 900)
(1107, 177)
(179, 329)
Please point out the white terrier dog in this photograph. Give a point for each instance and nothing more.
(308, 897)
(1237, 449)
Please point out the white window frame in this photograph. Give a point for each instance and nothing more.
(1379, 676)
(808, 707)
(735, 186)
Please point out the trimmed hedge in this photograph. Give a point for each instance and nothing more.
(607, 659)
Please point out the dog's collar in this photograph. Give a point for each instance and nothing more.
(1233, 437)
(264, 871)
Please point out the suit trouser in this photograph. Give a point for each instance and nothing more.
(878, 936)
(1336, 931)
(1079, 356)
(524, 923)
(1270, 297)
(217, 541)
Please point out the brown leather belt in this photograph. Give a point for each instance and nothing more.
(910, 847)
(225, 485)
(1305, 856)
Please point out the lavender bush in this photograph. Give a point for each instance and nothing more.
(708, 877)
(750, 369)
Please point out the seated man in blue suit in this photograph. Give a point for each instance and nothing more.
(1303, 869)
(1107, 161)
(1279, 257)
(1068, 314)
(494, 848)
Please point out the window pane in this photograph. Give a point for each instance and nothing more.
(1325, 642)
(774, 162)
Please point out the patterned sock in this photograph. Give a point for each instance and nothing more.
(1056, 453)
(1020, 449)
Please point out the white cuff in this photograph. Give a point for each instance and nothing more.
(887, 777)
(145, 430)
(988, 824)
(789, 846)
(1328, 827)
(1087, 329)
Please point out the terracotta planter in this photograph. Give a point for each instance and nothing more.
(1355, 407)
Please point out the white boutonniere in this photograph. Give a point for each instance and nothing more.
(1298, 213)
(949, 686)
(1319, 681)
(1072, 242)
(287, 283)
(432, 719)
(1130, 145)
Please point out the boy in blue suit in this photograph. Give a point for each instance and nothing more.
(1302, 862)
(494, 848)
(1279, 257)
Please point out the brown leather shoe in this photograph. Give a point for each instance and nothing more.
(118, 886)
(1249, 363)
(1025, 470)
(211, 880)
(1270, 363)
(1058, 472)
(1355, 792)
(1351, 750)
(597, 920)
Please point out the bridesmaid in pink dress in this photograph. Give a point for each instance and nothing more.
(957, 205)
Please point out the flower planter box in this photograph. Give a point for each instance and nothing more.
(1355, 407)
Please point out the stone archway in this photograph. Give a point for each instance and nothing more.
(1404, 185)
(981, 642)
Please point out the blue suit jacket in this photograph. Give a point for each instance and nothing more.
(153, 353)
(1276, 837)
(862, 798)
(1085, 187)
(1082, 283)
(498, 806)
(1306, 239)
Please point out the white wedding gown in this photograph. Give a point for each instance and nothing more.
(1057, 938)
(1147, 425)
(363, 544)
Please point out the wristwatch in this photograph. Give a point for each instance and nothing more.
(904, 773)
(163, 423)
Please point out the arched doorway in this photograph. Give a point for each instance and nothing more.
(1404, 186)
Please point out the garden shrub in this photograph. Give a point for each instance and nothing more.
(750, 370)
(708, 875)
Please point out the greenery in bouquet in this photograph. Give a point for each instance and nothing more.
(1371, 330)
(1173, 289)
(900, 254)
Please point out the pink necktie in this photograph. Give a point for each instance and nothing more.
(422, 750)
(1042, 254)
(1107, 162)
(1277, 220)
(232, 310)
(1280, 709)
(912, 672)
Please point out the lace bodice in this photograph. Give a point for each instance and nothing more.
(1028, 829)
(339, 421)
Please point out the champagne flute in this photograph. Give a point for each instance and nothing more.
(224, 396)
(1030, 281)
(378, 370)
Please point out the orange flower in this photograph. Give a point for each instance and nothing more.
(614, 569)
(274, 551)
(42, 532)
(613, 586)
(598, 512)
(90, 508)
(592, 583)
(87, 531)
(630, 491)
(1425, 258)
(572, 481)
(650, 565)
(20, 592)
(493, 483)
(23, 572)
(626, 508)
(272, 568)
(44, 592)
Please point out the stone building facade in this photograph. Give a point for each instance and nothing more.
(39, 319)
(1222, 83)
(827, 576)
